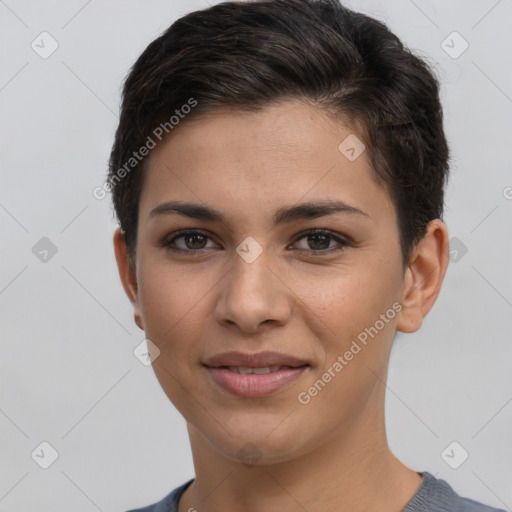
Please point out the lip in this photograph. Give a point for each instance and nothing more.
(255, 385)
(256, 360)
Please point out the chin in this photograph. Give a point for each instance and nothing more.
(255, 445)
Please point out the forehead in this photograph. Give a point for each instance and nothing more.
(243, 161)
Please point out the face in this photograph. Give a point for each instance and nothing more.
(262, 246)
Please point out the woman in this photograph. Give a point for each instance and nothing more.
(278, 176)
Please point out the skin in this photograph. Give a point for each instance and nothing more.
(332, 452)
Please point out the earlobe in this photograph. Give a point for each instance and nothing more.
(424, 276)
(127, 275)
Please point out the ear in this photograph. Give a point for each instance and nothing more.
(127, 275)
(424, 276)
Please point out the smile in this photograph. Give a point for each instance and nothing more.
(255, 382)
(257, 371)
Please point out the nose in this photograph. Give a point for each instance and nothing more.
(253, 294)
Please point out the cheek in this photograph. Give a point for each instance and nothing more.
(173, 305)
(348, 299)
(174, 308)
(351, 305)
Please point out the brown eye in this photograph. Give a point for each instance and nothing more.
(191, 241)
(195, 241)
(321, 241)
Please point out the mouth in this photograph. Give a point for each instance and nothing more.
(255, 375)
(258, 371)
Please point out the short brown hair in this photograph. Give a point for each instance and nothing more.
(247, 55)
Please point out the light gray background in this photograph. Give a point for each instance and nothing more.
(68, 375)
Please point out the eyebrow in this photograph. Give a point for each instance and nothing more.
(286, 214)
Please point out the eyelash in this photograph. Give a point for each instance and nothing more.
(168, 241)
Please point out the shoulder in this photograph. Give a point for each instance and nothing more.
(435, 495)
(169, 503)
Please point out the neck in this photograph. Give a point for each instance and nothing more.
(354, 471)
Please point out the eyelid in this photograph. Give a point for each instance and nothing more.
(169, 239)
(342, 241)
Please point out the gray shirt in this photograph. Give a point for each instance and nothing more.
(433, 495)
